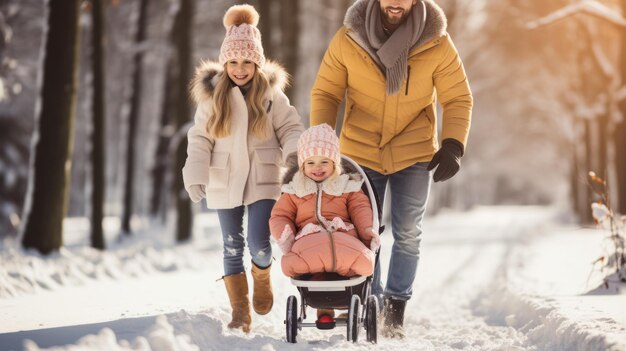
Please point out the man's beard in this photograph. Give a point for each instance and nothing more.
(394, 20)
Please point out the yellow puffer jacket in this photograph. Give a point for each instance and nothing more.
(390, 133)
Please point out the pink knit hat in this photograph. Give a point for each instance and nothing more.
(243, 39)
(319, 140)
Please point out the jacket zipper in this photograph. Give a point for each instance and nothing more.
(322, 221)
(408, 78)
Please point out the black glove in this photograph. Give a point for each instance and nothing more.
(291, 161)
(448, 160)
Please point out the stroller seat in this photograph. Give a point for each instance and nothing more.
(333, 291)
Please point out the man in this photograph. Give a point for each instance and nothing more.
(391, 61)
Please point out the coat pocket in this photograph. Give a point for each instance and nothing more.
(362, 127)
(418, 130)
(219, 170)
(266, 166)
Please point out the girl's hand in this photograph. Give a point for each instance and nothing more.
(285, 246)
(197, 192)
(286, 240)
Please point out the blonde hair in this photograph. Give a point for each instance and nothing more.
(220, 122)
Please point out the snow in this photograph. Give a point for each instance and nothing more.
(493, 278)
(557, 289)
(591, 7)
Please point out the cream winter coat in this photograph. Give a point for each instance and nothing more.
(239, 169)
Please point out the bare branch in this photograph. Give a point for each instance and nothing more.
(590, 7)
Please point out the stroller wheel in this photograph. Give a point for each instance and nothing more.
(353, 318)
(371, 313)
(291, 321)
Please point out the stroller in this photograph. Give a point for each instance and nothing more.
(338, 292)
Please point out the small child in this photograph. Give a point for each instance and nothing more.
(323, 221)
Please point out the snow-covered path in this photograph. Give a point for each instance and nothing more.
(464, 263)
(461, 259)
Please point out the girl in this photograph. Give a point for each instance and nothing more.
(244, 129)
(322, 221)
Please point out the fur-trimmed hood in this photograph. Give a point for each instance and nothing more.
(350, 180)
(203, 84)
(436, 22)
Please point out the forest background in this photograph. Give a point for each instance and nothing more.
(547, 78)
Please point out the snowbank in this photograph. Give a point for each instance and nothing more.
(551, 292)
(491, 279)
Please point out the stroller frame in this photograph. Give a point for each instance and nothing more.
(338, 292)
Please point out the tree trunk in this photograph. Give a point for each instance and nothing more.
(182, 38)
(602, 143)
(98, 132)
(574, 183)
(166, 130)
(163, 165)
(52, 140)
(135, 102)
(586, 218)
(266, 22)
(289, 10)
(620, 159)
(619, 134)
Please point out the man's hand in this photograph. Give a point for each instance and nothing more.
(447, 160)
(197, 192)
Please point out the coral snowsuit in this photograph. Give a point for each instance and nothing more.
(344, 209)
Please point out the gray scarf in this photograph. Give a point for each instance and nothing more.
(392, 52)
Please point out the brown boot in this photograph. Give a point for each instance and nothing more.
(237, 288)
(262, 297)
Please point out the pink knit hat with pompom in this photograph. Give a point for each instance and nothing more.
(319, 140)
(243, 39)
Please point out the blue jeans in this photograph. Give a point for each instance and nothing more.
(409, 194)
(258, 236)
